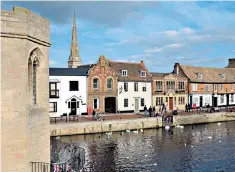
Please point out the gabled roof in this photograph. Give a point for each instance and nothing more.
(68, 71)
(209, 75)
(164, 75)
(133, 71)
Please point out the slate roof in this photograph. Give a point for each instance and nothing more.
(210, 75)
(68, 71)
(133, 71)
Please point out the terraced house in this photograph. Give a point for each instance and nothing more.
(170, 89)
(118, 86)
(208, 86)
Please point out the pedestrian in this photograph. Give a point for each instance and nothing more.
(150, 111)
(93, 114)
(154, 110)
(186, 108)
(145, 110)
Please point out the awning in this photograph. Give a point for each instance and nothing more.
(54, 80)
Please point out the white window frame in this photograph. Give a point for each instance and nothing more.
(98, 103)
(136, 87)
(195, 87)
(222, 76)
(142, 102)
(199, 75)
(97, 88)
(124, 72)
(222, 98)
(232, 98)
(231, 87)
(109, 84)
(207, 88)
(143, 73)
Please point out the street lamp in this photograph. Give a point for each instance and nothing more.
(227, 98)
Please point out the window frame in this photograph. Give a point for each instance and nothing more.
(77, 89)
(54, 107)
(97, 103)
(142, 102)
(111, 84)
(124, 73)
(97, 84)
(159, 85)
(143, 72)
(136, 87)
(125, 86)
(125, 102)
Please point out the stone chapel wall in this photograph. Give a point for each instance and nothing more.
(25, 130)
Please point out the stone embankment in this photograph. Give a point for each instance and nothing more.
(93, 127)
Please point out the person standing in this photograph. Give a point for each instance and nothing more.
(145, 110)
(154, 110)
(150, 111)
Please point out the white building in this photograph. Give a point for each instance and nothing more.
(134, 86)
(68, 91)
(133, 96)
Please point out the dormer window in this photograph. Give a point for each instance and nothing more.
(143, 73)
(222, 76)
(199, 75)
(124, 72)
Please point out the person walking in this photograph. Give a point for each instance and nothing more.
(150, 111)
(145, 110)
(186, 107)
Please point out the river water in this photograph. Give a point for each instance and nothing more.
(196, 148)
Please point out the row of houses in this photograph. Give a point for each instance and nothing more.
(117, 87)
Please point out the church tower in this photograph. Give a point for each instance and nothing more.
(74, 58)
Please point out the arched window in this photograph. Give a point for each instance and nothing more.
(95, 83)
(35, 65)
(109, 83)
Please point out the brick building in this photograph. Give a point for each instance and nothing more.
(170, 89)
(118, 86)
(213, 86)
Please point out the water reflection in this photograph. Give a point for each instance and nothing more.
(199, 148)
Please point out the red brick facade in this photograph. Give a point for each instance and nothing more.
(102, 71)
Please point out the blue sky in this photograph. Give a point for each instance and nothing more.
(160, 33)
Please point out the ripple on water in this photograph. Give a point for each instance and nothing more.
(160, 150)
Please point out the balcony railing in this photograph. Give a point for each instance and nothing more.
(40, 167)
(54, 94)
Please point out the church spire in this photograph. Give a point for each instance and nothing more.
(74, 58)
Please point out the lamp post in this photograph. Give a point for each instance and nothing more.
(227, 99)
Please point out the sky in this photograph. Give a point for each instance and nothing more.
(159, 33)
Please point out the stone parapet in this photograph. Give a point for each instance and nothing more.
(24, 24)
(105, 126)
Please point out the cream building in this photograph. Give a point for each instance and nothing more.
(170, 89)
(25, 134)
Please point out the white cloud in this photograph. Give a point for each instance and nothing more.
(187, 31)
(171, 33)
(159, 49)
(116, 43)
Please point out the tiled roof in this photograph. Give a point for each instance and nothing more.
(68, 71)
(162, 75)
(156, 74)
(209, 74)
(133, 71)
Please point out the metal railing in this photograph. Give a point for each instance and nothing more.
(67, 119)
(40, 167)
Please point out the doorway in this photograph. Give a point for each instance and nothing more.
(227, 97)
(171, 103)
(201, 101)
(215, 102)
(110, 104)
(136, 105)
(73, 108)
